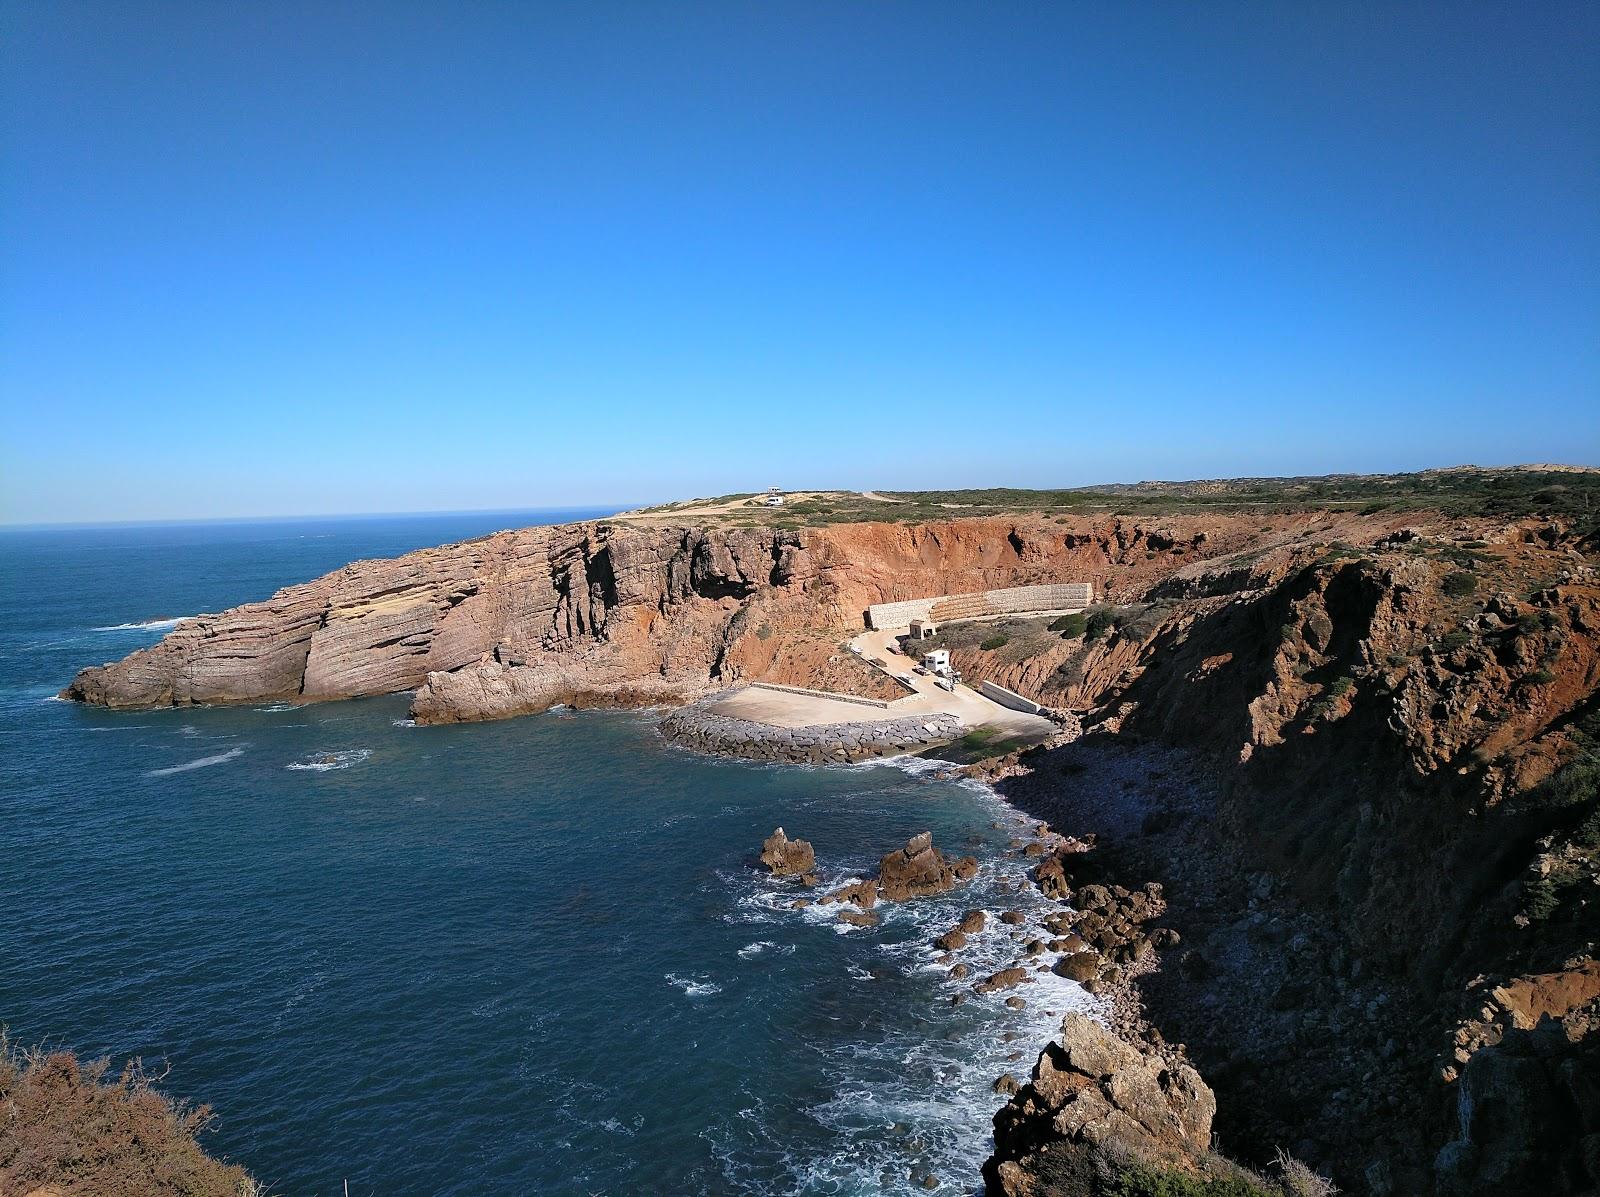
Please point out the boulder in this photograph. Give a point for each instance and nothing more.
(1050, 875)
(788, 858)
(1006, 978)
(972, 922)
(863, 893)
(920, 869)
(1079, 967)
(1094, 1105)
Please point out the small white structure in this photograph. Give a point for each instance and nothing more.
(937, 662)
(774, 497)
(923, 629)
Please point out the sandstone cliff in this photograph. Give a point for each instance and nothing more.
(613, 613)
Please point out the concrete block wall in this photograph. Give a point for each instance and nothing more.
(1008, 698)
(1051, 596)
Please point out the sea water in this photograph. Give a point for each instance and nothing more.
(522, 957)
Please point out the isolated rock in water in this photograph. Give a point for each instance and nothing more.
(1095, 1104)
(863, 893)
(972, 922)
(786, 857)
(1004, 979)
(919, 869)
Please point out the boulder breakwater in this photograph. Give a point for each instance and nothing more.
(696, 726)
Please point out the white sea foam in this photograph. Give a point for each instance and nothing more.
(324, 762)
(751, 950)
(692, 988)
(403, 722)
(149, 625)
(277, 708)
(202, 763)
(937, 1085)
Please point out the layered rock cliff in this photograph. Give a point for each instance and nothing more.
(611, 612)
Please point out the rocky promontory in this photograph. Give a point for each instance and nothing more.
(620, 613)
(1095, 1107)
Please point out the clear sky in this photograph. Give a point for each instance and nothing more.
(284, 258)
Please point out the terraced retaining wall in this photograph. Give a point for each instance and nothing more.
(1052, 596)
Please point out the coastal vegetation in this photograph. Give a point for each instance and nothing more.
(1468, 491)
(72, 1127)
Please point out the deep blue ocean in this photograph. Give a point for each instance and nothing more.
(510, 958)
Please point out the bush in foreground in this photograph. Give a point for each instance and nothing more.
(63, 1124)
(1071, 626)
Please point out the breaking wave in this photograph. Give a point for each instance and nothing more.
(149, 625)
(692, 988)
(202, 763)
(323, 762)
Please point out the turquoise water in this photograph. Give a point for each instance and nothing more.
(523, 957)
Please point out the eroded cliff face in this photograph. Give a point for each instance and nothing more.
(1404, 735)
(612, 613)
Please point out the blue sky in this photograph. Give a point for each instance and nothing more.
(291, 258)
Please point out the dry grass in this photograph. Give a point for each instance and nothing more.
(66, 1129)
(1299, 1180)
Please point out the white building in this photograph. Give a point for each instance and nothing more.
(937, 662)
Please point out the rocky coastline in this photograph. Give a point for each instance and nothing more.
(1347, 761)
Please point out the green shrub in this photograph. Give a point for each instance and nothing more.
(1458, 585)
(1541, 677)
(1071, 626)
(1098, 623)
(1142, 1180)
(993, 642)
(1543, 899)
(1587, 836)
(1341, 686)
(1451, 641)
